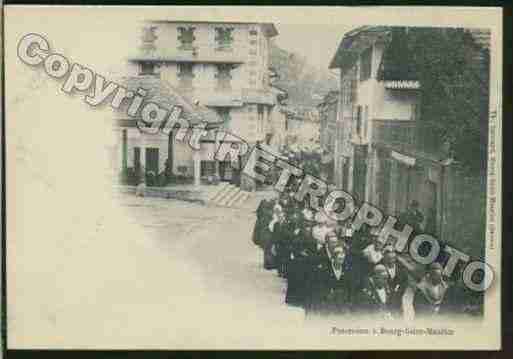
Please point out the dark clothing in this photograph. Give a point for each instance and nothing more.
(264, 216)
(370, 303)
(329, 294)
(398, 284)
(282, 237)
(262, 236)
(413, 218)
(300, 267)
(336, 298)
(428, 301)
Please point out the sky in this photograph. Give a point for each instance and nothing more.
(317, 43)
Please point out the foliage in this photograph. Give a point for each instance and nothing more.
(454, 74)
(304, 83)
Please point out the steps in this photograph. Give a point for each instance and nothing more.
(227, 195)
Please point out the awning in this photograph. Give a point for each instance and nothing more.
(407, 160)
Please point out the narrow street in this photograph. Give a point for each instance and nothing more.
(226, 267)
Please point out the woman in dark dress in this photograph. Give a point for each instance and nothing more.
(264, 215)
(267, 235)
(300, 267)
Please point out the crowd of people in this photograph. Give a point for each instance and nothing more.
(332, 270)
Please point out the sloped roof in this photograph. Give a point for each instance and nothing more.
(397, 63)
(162, 93)
(354, 42)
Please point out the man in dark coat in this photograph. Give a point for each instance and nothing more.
(397, 278)
(334, 277)
(303, 254)
(263, 214)
(375, 297)
(282, 238)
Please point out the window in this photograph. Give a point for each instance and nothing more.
(352, 91)
(224, 77)
(137, 158)
(186, 38)
(185, 75)
(124, 146)
(148, 38)
(224, 114)
(208, 168)
(147, 68)
(415, 112)
(365, 121)
(358, 120)
(366, 64)
(224, 38)
(260, 124)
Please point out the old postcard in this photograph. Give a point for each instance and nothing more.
(253, 177)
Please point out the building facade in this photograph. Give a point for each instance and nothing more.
(328, 110)
(384, 153)
(223, 67)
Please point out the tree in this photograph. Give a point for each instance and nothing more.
(454, 74)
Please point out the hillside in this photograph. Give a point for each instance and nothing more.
(305, 84)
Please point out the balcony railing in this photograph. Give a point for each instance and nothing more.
(408, 136)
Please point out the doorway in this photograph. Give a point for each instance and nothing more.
(152, 160)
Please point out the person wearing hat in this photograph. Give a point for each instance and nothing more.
(376, 296)
(426, 297)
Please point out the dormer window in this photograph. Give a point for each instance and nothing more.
(224, 76)
(186, 37)
(224, 38)
(147, 68)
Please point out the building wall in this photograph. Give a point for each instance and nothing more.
(278, 128)
(394, 104)
(204, 81)
(245, 123)
(452, 201)
(249, 55)
(250, 47)
(135, 138)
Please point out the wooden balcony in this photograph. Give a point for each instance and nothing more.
(413, 137)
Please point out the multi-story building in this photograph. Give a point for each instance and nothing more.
(328, 109)
(384, 153)
(220, 67)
